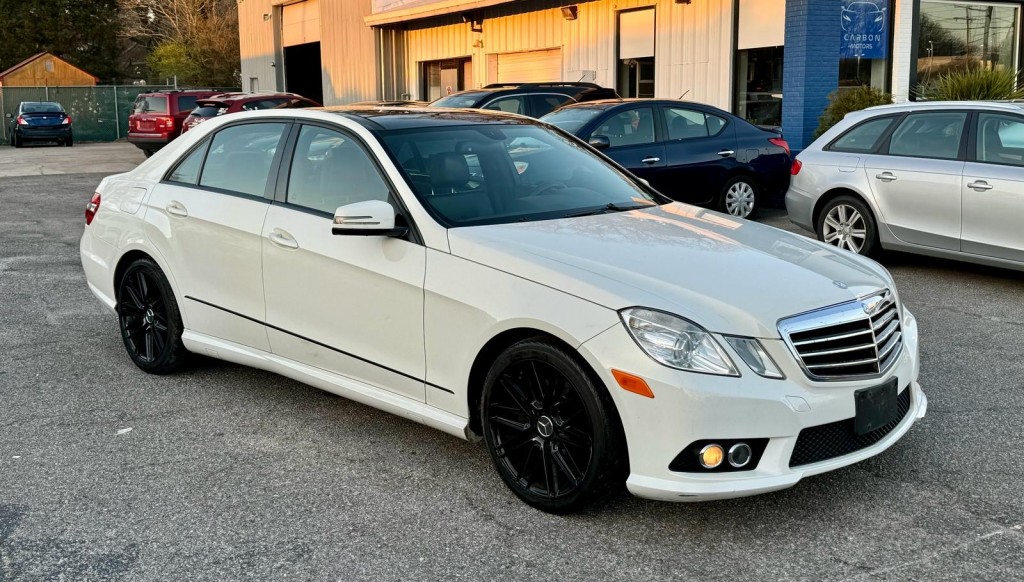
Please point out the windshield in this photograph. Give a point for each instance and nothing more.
(41, 108)
(459, 100)
(493, 174)
(571, 119)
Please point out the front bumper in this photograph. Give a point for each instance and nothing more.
(688, 407)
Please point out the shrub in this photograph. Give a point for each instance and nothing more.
(973, 85)
(843, 101)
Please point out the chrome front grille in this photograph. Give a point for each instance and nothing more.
(861, 338)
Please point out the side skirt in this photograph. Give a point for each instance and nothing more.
(334, 383)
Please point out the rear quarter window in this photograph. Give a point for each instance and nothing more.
(863, 138)
(186, 102)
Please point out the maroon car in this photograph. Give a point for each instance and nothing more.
(234, 102)
(157, 116)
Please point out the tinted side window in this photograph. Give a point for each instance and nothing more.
(186, 102)
(929, 135)
(330, 169)
(514, 104)
(240, 158)
(864, 137)
(187, 170)
(632, 127)
(544, 104)
(1000, 139)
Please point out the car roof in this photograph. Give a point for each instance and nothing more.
(388, 118)
(232, 97)
(1009, 106)
(609, 103)
(40, 103)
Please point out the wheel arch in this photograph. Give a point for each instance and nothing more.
(493, 348)
(135, 253)
(834, 193)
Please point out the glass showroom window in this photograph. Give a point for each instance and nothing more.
(759, 85)
(865, 43)
(957, 36)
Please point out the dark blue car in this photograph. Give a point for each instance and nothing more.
(40, 121)
(688, 151)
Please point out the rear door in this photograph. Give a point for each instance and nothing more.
(993, 188)
(700, 151)
(916, 178)
(206, 218)
(632, 133)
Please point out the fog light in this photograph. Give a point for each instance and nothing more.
(739, 455)
(711, 456)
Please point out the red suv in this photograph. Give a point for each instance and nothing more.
(157, 117)
(235, 102)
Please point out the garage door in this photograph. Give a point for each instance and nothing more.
(301, 23)
(530, 67)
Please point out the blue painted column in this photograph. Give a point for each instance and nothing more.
(810, 66)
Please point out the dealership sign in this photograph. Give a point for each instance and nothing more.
(865, 29)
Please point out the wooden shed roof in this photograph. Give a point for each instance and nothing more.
(35, 58)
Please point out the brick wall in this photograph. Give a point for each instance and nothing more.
(811, 66)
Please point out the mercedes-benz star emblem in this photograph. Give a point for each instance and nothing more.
(545, 426)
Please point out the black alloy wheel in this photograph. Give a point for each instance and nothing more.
(554, 436)
(149, 319)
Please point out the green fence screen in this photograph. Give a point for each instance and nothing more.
(98, 113)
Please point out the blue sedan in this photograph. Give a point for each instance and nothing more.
(690, 152)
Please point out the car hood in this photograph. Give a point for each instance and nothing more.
(729, 275)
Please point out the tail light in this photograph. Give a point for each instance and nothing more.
(92, 208)
(67, 120)
(164, 122)
(21, 120)
(781, 143)
(795, 168)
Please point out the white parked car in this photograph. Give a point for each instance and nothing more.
(944, 179)
(491, 277)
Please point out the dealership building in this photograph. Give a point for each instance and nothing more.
(773, 62)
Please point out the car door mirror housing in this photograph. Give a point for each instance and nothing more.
(600, 142)
(369, 218)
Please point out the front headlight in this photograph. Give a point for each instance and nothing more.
(676, 342)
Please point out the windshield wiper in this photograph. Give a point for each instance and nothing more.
(610, 207)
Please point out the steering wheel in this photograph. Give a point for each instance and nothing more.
(545, 187)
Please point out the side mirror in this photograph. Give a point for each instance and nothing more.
(369, 218)
(600, 142)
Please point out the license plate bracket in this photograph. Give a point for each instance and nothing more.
(876, 407)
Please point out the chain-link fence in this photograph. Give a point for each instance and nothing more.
(98, 113)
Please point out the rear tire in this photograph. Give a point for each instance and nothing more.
(740, 197)
(149, 319)
(15, 140)
(846, 222)
(554, 436)
(69, 142)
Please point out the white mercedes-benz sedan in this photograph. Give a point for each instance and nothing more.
(492, 277)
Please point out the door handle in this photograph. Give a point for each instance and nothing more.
(176, 208)
(651, 160)
(886, 176)
(980, 186)
(727, 153)
(283, 239)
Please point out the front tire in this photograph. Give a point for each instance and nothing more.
(846, 222)
(740, 197)
(149, 319)
(554, 436)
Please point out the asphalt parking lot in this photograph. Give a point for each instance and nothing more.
(227, 473)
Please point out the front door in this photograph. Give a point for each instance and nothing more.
(916, 181)
(352, 305)
(633, 143)
(209, 214)
(993, 189)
